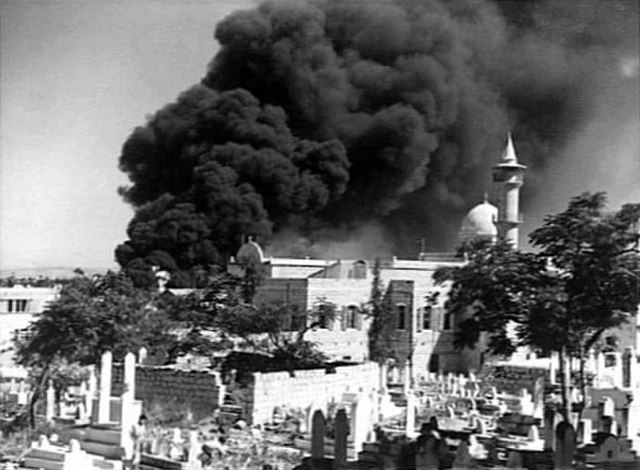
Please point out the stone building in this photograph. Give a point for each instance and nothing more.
(18, 305)
(419, 331)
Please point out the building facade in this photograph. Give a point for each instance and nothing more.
(18, 305)
(417, 328)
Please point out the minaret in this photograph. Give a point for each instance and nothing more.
(509, 174)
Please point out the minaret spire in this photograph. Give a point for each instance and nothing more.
(509, 153)
(509, 174)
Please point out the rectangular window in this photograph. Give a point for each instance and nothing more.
(447, 321)
(352, 313)
(16, 305)
(426, 317)
(402, 316)
(434, 363)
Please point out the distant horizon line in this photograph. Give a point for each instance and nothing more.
(46, 271)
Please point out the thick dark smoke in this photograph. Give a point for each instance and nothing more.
(318, 118)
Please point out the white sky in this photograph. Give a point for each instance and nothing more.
(75, 78)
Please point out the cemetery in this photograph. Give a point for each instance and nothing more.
(349, 417)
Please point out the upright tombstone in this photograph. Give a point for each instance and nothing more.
(608, 407)
(90, 391)
(462, 460)
(362, 422)
(481, 427)
(104, 396)
(630, 366)
(514, 460)
(617, 373)
(526, 403)
(538, 398)
(591, 365)
(341, 431)
(565, 446)
(534, 434)
(553, 368)
(194, 447)
(142, 355)
(23, 395)
(318, 430)
(427, 457)
(410, 424)
(50, 402)
(127, 418)
(585, 431)
(549, 428)
(384, 374)
(406, 377)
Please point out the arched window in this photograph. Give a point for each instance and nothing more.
(360, 269)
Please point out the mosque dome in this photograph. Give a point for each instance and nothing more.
(250, 253)
(480, 222)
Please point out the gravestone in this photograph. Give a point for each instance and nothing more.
(608, 451)
(90, 391)
(194, 448)
(318, 430)
(410, 423)
(585, 431)
(362, 422)
(538, 398)
(462, 460)
(50, 402)
(565, 446)
(476, 450)
(549, 428)
(481, 427)
(427, 457)
(127, 414)
(104, 395)
(608, 407)
(514, 459)
(526, 403)
(341, 431)
(534, 434)
(142, 355)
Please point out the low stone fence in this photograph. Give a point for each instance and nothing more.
(308, 387)
(197, 390)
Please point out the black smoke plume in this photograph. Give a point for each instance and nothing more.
(318, 118)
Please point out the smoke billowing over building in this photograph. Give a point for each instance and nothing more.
(341, 128)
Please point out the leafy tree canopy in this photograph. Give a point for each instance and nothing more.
(582, 280)
(90, 316)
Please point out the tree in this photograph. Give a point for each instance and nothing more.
(197, 314)
(379, 341)
(221, 317)
(581, 282)
(90, 316)
(278, 330)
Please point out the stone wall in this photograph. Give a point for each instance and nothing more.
(315, 387)
(196, 390)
